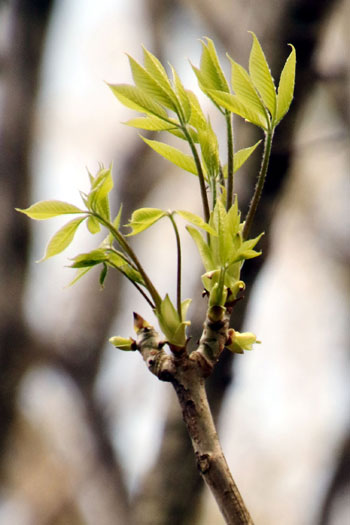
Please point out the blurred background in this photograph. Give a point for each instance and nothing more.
(87, 436)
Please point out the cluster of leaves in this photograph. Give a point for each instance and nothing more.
(167, 106)
(222, 254)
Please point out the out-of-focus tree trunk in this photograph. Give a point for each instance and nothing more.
(19, 86)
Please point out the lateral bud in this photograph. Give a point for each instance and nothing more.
(140, 323)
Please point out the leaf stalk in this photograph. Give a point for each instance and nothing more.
(230, 160)
(201, 177)
(259, 184)
(179, 263)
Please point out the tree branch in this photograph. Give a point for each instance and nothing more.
(187, 374)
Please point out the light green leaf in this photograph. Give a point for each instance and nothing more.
(43, 210)
(286, 86)
(93, 225)
(196, 220)
(180, 134)
(184, 307)
(212, 74)
(103, 275)
(172, 154)
(179, 337)
(149, 85)
(132, 274)
(261, 76)
(92, 258)
(169, 322)
(234, 104)
(150, 123)
(134, 98)
(244, 88)
(203, 248)
(169, 314)
(197, 119)
(62, 238)
(80, 273)
(182, 96)
(224, 235)
(156, 69)
(144, 218)
(117, 260)
(251, 243)
(233, 218)
(242, 155)
(210, 150)
(101, 186)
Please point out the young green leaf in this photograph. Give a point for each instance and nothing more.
(147, 83)
(155, 68)
(62, 238)
(43, 210)
(169, 322)
(286, 86)
(261, 76)
(212, 74)
(242, 155)
(197, 119)
(151, 124)
(83, 260)
(97, 199)
(196, 220)
(224, 238)
(172, 154)
(184, 307)
(182, 96)
(80, 273)
(244, 88)
(134, 98)
(203, 249)
(103, 275)
(118, 261)
(93, 225)
(144, 218)
(181, 135)
(234, 104)
(234, 218)
(210, 150)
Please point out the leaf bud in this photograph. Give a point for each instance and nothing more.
(123, 343)
(238, 342)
